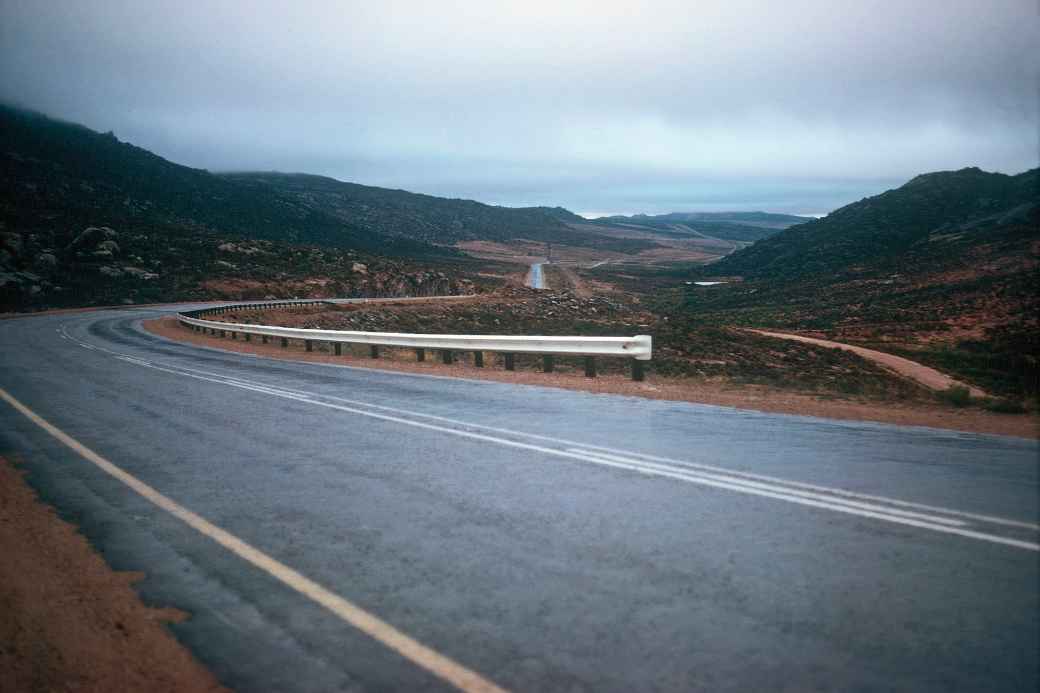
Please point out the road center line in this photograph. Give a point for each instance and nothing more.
(990, 519)
(687, 475)
(437, 664)
(877, 512)
(771, 487)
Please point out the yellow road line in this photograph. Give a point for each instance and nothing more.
(437, 664)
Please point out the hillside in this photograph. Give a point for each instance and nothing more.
(943, 269)
(86, 219)
(62, 171)
(58, 175)
(399, 214)
(883, 228)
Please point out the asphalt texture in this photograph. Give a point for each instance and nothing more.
(546, 539)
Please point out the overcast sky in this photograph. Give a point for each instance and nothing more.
(599, 106)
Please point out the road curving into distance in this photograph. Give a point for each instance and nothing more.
(331, 527)
(536, 277)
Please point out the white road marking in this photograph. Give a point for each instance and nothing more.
(437, 664)
(652, 458)
(783, 490)
(772, 487)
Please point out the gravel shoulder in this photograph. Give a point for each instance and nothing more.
(759, 398)
(67, 621)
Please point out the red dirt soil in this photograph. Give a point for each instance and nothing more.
(742, 397)
(67, 621)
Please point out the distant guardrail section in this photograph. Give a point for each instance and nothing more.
(637, 348)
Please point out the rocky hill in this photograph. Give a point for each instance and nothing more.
(945, 269)
(399, 214)
(100, 265)
(57, 172)
(883, 228)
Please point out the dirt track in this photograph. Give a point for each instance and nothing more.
(929, 377)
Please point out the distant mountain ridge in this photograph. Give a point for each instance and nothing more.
(733, 226)
(763, 219)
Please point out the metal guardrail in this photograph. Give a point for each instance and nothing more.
(637, 348)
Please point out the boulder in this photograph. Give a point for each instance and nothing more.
(92, 237)
(12, 242)
(138, 273)
(109, 246)
(45, 262)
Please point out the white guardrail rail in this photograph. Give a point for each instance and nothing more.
(637, 348)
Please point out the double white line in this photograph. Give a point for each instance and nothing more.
(891, 510)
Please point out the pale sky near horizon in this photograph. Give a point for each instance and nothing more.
(602, 107)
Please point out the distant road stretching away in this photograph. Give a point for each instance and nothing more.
(330, 527)
(535, 279)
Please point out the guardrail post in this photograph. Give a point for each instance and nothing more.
(420, 355)
(447, 357)
(547, 363)
(478, 359)
(234, 335)
(222, 333)
(373, 351)
(337, 348)
(263, 339)
(638, 372)
(248, 337)
(590, 366)
(310, 344)
(285, 342)
(510, 360)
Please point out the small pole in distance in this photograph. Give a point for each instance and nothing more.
(478, 359)
(510, 361)
(547, 363)
(373, 351)
(590, 366)
(420, 355)
(638, 371)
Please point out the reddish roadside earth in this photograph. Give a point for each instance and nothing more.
(67, 621)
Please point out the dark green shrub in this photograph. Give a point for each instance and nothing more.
(1006, 406)
(957, 395)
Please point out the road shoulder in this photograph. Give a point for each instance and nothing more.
(67, 621)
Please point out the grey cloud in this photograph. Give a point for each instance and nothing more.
(599, 106)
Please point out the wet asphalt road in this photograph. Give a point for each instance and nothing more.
(547, 539)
